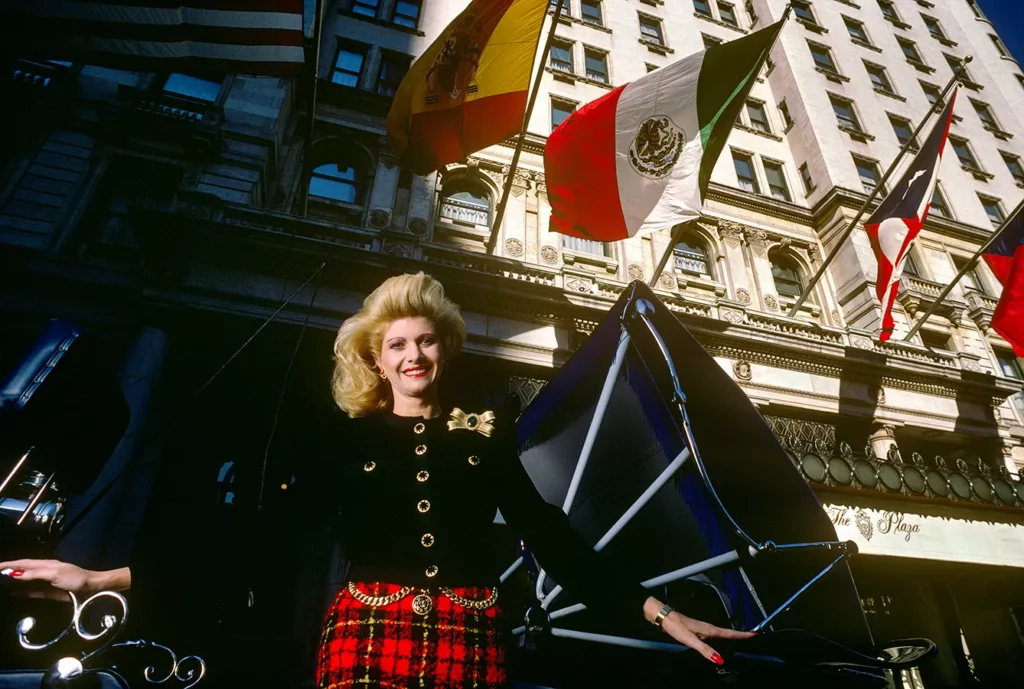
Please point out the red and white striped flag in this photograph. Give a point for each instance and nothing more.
(223, 36)
(898, 220)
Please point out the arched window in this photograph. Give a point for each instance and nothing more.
(337, 182)
(466, 202)
(691, 256)
(787, 275)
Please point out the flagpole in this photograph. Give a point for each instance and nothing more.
(318, 25)
(677, 233)
(500, 213)
(939, 102)
(963, 271)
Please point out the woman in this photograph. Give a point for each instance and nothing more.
(417, 492)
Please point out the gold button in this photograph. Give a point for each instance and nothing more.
(423, 506)
(370, 466)
(473, 460)
(427, 540)
(421, 450)
(422, 476)
(431, 571)
(419, 428)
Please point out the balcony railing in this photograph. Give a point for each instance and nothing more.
(691, 262)
(465, 213)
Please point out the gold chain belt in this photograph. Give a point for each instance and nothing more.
(422, 603)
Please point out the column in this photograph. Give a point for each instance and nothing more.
(737, 277)
(385, 182)
(421, 202)
(512, 233)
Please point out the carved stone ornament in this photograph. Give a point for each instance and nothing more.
(549, 254)
(578, 285)
(418, 226)
(845, 451)
(860, 342)
(635, 272)
(667, 281)
(971, 365)
(742, 370)
(835, 316)
(917, 460)
(878, 392)
(398, 249)
(758, 240)
(893, 454)
(743, 296)
(380, 218)
(730, 232)
(771, 303)
(514, 247)
(733, 316)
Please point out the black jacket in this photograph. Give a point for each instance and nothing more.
(416, 500)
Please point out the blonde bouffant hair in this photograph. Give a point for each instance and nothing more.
(356, 384)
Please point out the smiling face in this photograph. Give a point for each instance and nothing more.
(413, 358)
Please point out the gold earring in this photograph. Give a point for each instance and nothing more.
(383, 374)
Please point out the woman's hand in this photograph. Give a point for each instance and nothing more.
(691, 632)
(53, 579)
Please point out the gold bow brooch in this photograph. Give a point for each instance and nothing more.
(481, 423)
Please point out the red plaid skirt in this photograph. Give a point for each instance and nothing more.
(392, 647)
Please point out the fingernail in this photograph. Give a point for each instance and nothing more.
(17, 573)
(6, 571)
(717, 659)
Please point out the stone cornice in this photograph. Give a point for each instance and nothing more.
(839, 197)
(240, 241)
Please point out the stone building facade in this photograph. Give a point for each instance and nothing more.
(167, 208)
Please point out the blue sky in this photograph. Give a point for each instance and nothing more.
(1006, 16)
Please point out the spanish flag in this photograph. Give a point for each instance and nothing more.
(469, 89)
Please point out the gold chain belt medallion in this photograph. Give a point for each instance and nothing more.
(423, 603)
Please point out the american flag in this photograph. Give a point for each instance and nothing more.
(898, 220)
(223, 36)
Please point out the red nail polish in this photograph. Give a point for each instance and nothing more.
(17, 572)
(717, 659)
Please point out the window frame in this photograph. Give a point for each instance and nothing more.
(735, 23)
(805, 177)
(1014, 159)
(893, 18)
(810, 11)
(776, 259)
(751, 161)
(698, 246)
(938, 192)
(763, 107)
(375, 4)
(982, 106)
(707, 38)
(767, 163)
(834, 68)
(941, 36)
(786, 115)
(871, 68)
(1000, 46)
(916, 58)
(974, 165)
(657, 24)
(948, 345)
(997, 204)
(908, 125)
(857, 160)
(589, 50)
(570, 46)
(391, 57)
(342, 46)
(847, 21)
(552, 101)
(707, 4)
(181, 95)
(857, 127)
(600, 13)
(467, 184)
(395, 15)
